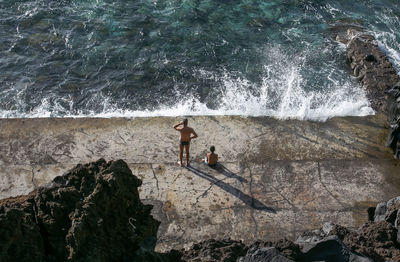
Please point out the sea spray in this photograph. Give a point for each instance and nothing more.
(142, 58)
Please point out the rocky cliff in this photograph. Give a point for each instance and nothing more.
(91, 213)
(373, 69)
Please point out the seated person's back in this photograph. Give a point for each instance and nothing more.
(211, 159)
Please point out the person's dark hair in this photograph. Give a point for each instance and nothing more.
(212, 149)
(185, 121)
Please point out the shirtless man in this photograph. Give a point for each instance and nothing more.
(186, 133)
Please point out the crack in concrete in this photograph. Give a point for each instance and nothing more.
(91, 151)
(123, 139)
(155, 177)
(83, 132)
(326, 188)
(117, 142)
(33, 178)
(294, 208)
(175, 178)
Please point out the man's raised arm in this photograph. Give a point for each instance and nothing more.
(176, 126)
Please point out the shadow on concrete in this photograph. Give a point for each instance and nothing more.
(248, 200)
(226, 172)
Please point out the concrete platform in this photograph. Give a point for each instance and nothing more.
(276, 178)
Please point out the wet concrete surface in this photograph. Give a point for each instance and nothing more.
(275, 178)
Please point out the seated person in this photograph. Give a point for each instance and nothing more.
(211, 158)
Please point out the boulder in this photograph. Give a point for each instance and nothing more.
(330, 249)
(326, 244)
(387, 211)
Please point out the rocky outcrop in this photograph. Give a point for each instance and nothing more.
(372, 68)
(92, 213)
(393, 108)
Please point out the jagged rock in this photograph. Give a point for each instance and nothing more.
(92, 213)
(394, 104)
(264, 254)
(286, 248)
(20, 235)
(393, 140)
(215, 250)
(387, 211)
(393, 110)
(372, 68)
(375, 240)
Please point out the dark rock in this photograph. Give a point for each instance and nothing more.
(92, 213)
(375, 240)
(370, 58)
(288, 249)
(264, 254)
(326, 244)
(393, 140)
(372, 68)
(20, 236)
(331, 249)
(393, 104)
(215, 250)
(371, 213)
(393, 110)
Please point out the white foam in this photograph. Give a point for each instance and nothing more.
(388, 40)
(281, 94)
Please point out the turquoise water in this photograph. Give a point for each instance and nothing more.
(146, 58)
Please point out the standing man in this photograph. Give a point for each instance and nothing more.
(186, 136)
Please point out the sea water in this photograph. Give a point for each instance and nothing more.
(133, 58)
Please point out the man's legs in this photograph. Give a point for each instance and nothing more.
(180, 153)
(187, 154)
